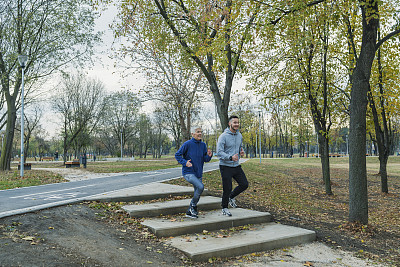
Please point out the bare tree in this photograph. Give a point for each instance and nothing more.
(79, 101)
(172, 78)
(32, 123)
(120, 118)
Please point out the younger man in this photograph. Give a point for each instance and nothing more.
(192, 155)
(229, 148)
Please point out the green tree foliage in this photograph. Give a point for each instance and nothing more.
(214, 34)
(360, 19)
(296, 67)
(382, 97)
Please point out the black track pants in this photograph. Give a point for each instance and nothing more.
(227, 173)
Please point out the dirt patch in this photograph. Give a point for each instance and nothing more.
(77, 235)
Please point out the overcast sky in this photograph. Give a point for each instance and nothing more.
(103, 69)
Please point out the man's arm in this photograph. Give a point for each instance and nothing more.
(241, 148)
(207, 155)
(220, 148)
(179, 154)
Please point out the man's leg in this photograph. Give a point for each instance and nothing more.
(226, 175)
(240, 178)
(198, 188)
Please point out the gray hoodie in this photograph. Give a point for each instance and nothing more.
(229, 144)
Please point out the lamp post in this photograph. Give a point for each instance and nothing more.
(259, 132)
(347, 145)
(22, 59)
(121, 145)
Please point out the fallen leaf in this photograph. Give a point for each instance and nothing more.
(28, 238)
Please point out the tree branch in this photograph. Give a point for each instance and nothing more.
(387, 37)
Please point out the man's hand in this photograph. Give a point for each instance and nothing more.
(241, 152)
(209, 152)
(188, 163)
(235, 157)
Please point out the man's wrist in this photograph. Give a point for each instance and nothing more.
(230, 157)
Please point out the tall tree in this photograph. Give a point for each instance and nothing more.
(51, 34)
(32, 123)
(79, 102)
(360, 85)
(173, 125)
(145, 132)
(296, 67)
(120, 119)
(383, 100)
(214, 34)
(171, 77)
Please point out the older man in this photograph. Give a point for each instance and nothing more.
(192, 155)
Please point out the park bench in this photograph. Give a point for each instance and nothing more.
(27, 166)
(48, 158)
(74, 163)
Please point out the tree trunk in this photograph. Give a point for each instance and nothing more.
(323, 142)
(358, 190)
(9, 135)
(384, 136)
(358, 193)
(222, 104)
(383, 159)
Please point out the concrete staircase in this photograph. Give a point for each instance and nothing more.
(200, 244)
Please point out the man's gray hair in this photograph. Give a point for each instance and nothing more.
(194, 128)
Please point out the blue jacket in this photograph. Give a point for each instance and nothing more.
(229, 144)
(197, 152)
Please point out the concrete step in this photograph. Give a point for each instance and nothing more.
(260, 238)
(145, 192)
(171, 207)
(209, 221)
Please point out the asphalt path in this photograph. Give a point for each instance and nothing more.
(28, 199)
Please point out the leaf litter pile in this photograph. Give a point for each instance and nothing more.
(293, 192)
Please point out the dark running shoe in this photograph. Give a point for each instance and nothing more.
(195, 210)
(232, 203)
(191, 213)
(226, 212)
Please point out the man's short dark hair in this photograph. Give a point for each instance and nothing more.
(232, 117)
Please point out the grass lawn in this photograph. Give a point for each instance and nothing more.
(11, 179)
(293, 191)
(131, 166)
